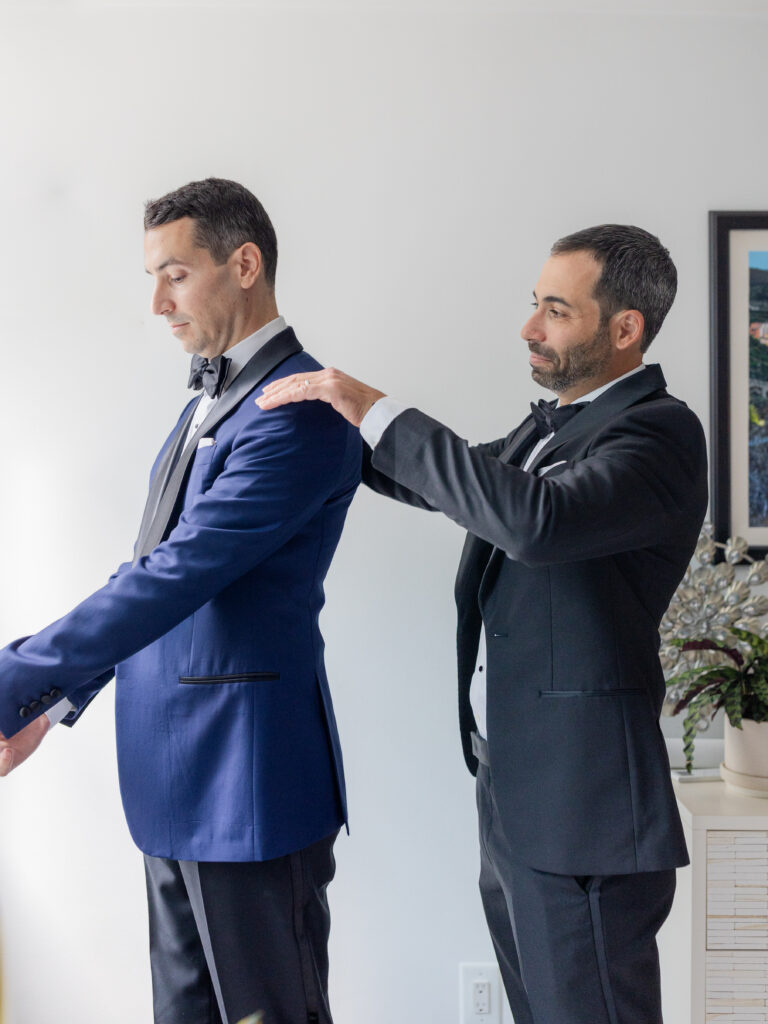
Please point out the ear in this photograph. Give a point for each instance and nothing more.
(248, 264)
(627, 329)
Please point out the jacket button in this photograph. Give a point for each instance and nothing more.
(24, 712)
(46, 698)
(34, 705)
(55, 693)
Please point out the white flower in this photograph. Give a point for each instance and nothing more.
(756, 606)
(705, 551)
(735, 549)
(757, 573)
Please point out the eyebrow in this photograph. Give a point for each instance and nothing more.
(553, 298)
(171, 261)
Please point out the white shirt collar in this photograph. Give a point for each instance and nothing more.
(244, 350)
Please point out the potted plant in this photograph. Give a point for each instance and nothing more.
(715, 655)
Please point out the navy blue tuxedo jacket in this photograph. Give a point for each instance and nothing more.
(227, 743)
(570, 569)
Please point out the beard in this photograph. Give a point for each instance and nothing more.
(585, 360)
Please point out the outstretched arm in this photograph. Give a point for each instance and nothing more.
(644, 467)
(275, 479)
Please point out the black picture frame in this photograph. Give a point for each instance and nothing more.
(729, 231)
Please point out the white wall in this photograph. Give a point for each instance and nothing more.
(417, 164)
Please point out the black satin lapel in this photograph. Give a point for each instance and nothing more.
(490, 572)
(474, 558)
(263, 363)
(161, 476)
(522, 439)
(488, 559)
(620, 396)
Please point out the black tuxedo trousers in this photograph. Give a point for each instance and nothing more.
(571, 949)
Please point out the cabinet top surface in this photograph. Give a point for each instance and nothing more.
(713, 805)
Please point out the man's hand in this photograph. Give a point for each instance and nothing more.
(17, 749)
(349, 397)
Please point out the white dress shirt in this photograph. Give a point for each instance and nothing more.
(373, 425)
(238, 355)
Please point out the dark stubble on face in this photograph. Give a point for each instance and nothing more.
(582, 362)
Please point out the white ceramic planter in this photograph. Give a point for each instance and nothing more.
(746, 758)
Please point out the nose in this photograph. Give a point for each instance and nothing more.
(161, 303)
(533, 328)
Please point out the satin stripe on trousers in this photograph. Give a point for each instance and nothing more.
(228, 939)
(572, 950)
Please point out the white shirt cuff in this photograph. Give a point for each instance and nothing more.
(59, 711)
(378, 418)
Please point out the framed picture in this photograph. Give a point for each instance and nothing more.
(738, 247)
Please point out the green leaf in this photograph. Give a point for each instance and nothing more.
(757, 643)
(689, 735)
(690, 697)
(681, 677)
(710, 682)
(733, 705)
(760, 687)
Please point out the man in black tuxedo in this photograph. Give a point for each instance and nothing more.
(581, 523)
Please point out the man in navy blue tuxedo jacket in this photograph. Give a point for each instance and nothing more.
(229, 758)
(580, 523)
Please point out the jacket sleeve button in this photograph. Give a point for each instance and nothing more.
(55, 693)
(24, 712)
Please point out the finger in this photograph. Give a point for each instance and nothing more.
(296, 389)
(6, 762)
(277, 384)
(287, 385)
(289, 382)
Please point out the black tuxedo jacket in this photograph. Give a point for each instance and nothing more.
(570, 565)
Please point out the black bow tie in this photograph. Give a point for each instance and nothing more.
(209, 374)
(549, 417)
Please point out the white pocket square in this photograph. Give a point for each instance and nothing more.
(206, 442)
(545, 469)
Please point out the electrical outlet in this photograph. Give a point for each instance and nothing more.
(479, 994)
(481, 997)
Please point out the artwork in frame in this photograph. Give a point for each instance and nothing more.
(738, 246)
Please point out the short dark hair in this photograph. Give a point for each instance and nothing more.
(637, 272)
(226, 216)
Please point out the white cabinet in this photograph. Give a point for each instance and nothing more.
(714, 947)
